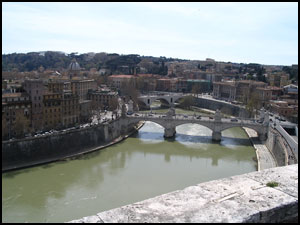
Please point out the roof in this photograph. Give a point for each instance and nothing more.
(291, 86)
(74, 65)
(122, 76)
(15, 95)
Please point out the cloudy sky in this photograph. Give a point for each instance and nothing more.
(265, 33)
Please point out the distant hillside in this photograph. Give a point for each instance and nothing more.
(59, 61)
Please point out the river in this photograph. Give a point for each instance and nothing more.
(142, 166)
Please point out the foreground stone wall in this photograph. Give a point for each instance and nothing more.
(276, 146)
(32, 151)
(237, 199)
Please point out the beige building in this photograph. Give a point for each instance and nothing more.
(16, 115)
(81, 87)
(102, 99)
(119, 81)
(278, 79)
(236, 90)
(52, 110)
(36, 88)
(283, 108)
(70, 109)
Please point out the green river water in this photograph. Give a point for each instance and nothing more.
(142, 166)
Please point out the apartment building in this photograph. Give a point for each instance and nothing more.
(236, 90)
(16, 115)
(102, 99)
(52, 110)
(36, 88)
(70, 109)
(81, 87)
(119, 81)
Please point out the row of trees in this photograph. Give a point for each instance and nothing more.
(59, 61)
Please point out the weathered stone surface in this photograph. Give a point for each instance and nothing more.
(243, 198)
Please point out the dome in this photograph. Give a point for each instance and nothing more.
(74, 65)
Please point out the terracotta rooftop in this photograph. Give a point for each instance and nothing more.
(14, 95)
(122, 76)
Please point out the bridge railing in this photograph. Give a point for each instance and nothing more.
(188, 117)
(292, 143)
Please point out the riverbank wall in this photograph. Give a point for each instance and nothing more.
(224, 107)
(28, 152)
(267, 196)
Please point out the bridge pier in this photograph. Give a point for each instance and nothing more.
(262, 136)
(216, 136)
(170, 132)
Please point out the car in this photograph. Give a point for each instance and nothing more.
(198, 117)
(211, 118)
(136, 114)
(271, 120)
(185, 116)
(234, 120)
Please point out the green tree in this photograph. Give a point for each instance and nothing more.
(186, 102)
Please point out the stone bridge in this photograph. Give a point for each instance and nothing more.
(165, 97)
(217, 124)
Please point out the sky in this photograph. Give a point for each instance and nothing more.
(264, 33)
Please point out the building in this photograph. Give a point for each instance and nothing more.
(85, 111)
(291, 88)
(264, 95)
(240, 90)
(58, 86)
(16, 115)
(163, 84)
(278, 79)
(200, 86)
(119, 81)
(103, 99)
(81, 87)
(283, 108)
(224, 90)
(36, 88)
(74, 69)
(52, 110)
(70, 109)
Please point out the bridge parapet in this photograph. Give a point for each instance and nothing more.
(217, 125)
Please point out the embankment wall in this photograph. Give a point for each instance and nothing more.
(38, 150)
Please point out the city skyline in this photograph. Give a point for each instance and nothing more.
(264, 33)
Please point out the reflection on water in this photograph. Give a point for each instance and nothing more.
(143, 166)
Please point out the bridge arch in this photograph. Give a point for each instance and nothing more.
(164, 101)
(206, 125)
(242, 125)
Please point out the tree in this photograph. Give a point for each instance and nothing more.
(253, 103)
(113, 104)
(196, 89)
(186, 102)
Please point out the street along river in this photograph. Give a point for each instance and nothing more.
(142, 166)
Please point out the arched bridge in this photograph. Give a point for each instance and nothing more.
(216, 124)
(169, 98)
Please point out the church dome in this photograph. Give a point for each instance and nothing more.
(74, 66)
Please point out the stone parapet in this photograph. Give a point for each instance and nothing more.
(242, 198)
